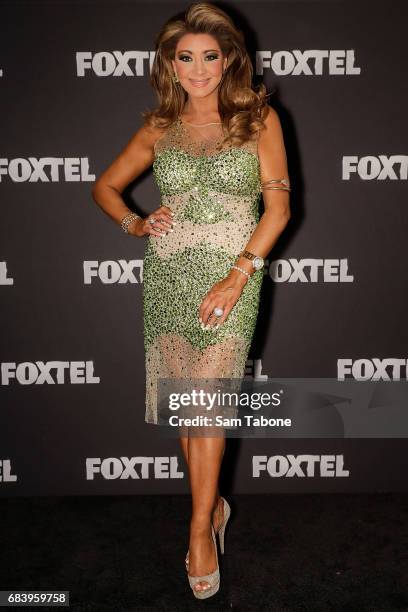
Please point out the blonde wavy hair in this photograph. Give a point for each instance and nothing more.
(242, 109)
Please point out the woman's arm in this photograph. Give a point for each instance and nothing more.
(137, 156)
(273, 164)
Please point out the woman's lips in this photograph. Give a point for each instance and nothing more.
(201, 83)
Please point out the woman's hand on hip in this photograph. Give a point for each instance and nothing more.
(162, 223)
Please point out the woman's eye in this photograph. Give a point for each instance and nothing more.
(183, 57)
(215, 56)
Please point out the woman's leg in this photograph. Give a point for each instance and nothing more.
(205, 456)
(216, 361)
(204, 450)
(218, 510)
(184, 447)
(204, 453)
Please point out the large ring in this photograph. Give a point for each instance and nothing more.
(218, 311)
(152, 220)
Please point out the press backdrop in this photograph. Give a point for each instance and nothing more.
(74, 79)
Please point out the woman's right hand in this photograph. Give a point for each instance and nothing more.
(162, 225)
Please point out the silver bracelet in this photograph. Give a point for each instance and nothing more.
(242, 270)
(127, 220)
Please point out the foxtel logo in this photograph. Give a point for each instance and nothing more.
(311, 62)
(303, 466)
(138, 468)
(389, 368)
(114, 63)
(309, 270)
(48, 373)
(111, 272)
(46, 169)
(375, 167)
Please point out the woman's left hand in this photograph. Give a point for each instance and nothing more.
(223, 294)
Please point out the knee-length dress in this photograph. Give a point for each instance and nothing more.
(215, 194)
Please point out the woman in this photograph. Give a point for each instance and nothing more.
(215, 145)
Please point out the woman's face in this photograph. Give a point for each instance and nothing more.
(199, 64)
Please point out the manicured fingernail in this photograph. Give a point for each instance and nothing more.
(200, 319)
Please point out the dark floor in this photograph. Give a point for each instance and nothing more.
(283, 552)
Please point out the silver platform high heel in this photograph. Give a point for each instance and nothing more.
(221, 531)
(213, 579)
(221, 528)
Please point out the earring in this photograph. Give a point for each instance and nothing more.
(175, 78)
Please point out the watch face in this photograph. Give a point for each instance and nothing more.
(258, 263)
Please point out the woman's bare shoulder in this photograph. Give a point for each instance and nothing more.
(136, 156)
(147, 136)
(271, 121)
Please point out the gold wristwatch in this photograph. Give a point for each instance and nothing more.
(257, 261)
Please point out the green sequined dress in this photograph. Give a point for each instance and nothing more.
(214, 192)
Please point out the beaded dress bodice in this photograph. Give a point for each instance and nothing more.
(206, 182)
(185, 163)
(214, 190)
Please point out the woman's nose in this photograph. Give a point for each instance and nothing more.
(200, 70)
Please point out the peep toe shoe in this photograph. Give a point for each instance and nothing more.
(212, 579)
